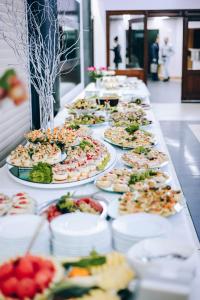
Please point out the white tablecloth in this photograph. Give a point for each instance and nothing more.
(182, 224)
(139, 91)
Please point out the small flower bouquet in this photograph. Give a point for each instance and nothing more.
(95, 73)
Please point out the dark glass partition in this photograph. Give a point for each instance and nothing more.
(69, 28)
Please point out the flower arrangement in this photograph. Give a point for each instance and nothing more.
(95, 73)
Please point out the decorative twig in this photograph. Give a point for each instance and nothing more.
(42, 52)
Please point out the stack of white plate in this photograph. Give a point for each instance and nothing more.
(130, 229)
(77, 234)
(16, 233)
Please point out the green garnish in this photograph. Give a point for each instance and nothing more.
(93, 260)
(74, 126)
(104, 163)
(138, 101)
(142, 150)
(135, 177)
(83, 144)
(66, 204)
(41, 173)
(132, 128)
(60, 145)
(67, 290)
(30, 152)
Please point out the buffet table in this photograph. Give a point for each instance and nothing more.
(182, 225)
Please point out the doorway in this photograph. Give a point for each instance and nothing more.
(165, 40)
(191, 58)
(134, 25)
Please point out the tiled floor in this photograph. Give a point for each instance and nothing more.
(184, 149)
(180, 124)
(165, 92)
(177, 111)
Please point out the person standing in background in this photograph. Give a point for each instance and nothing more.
(166, 53)
(117, 54)
(154, 59)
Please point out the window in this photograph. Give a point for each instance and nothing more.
(69, 27)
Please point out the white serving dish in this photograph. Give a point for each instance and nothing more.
(155, 247)
(62, 185)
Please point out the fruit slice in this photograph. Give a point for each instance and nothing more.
(26, 288)
(29, 277)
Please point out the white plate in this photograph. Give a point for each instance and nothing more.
(109, 166)
(141, 225)
(20, 226)
(77, 224)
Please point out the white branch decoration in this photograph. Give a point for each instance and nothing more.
(43, 52)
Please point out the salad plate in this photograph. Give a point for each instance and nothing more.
(87, 175)
(69, 204)
(163, 201)
(83, 106)
(89, 119)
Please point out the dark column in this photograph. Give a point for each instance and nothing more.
(87, 38)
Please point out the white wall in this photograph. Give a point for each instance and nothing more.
(15, 120)
(99, 8)
(173, 29)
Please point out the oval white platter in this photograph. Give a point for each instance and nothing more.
(162, 165)
(83, 111)
(113, 209)
(144, 127)
(122, 147)
(59, 185)
(94, 125)
(110, 189)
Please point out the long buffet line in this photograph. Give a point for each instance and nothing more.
(102, 195)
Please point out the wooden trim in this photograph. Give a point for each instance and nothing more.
(193, 72)
(157, 13)
(184, 59)
(107, 39)
(168, 13)
(125, 12)
(131, 73)
(192, 12)
(145, 48)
